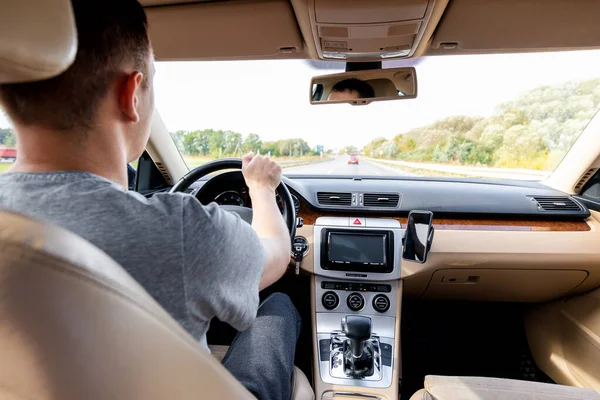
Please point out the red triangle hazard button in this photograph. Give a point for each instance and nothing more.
(357, 221)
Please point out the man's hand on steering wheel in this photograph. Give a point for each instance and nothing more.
(260, 173)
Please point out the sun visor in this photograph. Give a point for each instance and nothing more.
(488, 26)
(254, 29)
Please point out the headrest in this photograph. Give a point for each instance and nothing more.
(38, 39)
(383, 87)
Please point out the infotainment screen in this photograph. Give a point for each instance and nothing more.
(358, 249)
(353, 250)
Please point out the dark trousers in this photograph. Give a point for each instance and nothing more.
(262, 357)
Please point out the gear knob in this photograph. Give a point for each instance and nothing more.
(357, 329)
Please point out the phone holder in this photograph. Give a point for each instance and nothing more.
(415, 243)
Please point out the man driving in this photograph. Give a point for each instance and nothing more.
(75, 135)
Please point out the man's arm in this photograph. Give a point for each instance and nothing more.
(262, 177)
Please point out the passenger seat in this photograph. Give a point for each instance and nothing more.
(476, 388)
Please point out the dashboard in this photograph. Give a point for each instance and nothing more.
(494, 240)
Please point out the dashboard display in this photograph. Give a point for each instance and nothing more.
(361, 249)
(357, 250)
(230, 198)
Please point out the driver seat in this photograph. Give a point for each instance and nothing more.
(75, 325)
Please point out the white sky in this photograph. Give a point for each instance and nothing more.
(271, 98)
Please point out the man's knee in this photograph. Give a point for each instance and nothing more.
(280, 303)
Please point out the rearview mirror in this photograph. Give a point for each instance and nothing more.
(364, 87)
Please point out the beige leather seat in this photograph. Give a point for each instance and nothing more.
(75, 325)
(475, 388)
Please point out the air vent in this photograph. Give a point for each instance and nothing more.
(334, 199)
(558, 203)
(584, 178)
(163, 171)
(387, 200)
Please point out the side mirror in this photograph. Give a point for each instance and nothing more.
(364, 87)
(418, 236)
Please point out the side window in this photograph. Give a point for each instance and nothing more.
(8, 151)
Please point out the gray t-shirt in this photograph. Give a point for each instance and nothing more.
(197, 261)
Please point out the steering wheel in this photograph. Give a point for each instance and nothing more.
(289, 212)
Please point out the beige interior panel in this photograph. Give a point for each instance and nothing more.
(248, 29)
(368, 12)
(163, 151)
(564, 338)
(149, 3)
(502, 285)
(516, 250)
(516, 25)
(328, 391)
(308, 262)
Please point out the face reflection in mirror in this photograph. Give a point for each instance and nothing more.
(345, 95)
(351, 89)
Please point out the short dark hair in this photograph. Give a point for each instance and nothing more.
(111, 34)
(363, 89)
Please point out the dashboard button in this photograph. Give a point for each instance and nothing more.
(381, 303)
(355, 301)
(330, 300)
(358, 222)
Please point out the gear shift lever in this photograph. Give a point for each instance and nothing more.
(357, 329)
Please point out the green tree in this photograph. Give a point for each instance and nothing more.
(270, 148)
(7, 137)
(216, 142)
(232, 143)
(189, 146)
(252, 143)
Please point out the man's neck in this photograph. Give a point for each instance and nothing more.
(43, 150)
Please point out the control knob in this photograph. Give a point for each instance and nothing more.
(355, 301)
(330, 300)
(381, 303)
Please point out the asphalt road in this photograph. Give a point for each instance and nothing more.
(339, 166)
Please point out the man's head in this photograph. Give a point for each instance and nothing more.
(108, 85)
(351, 89)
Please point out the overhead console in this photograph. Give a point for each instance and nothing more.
(370, 29)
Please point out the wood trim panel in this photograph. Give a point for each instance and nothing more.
(310, 216)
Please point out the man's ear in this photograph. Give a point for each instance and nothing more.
(128, 100)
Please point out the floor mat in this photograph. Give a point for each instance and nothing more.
(464, 339)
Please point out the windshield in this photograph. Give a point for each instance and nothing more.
(505, 116)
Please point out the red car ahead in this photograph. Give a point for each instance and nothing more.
(353, 159)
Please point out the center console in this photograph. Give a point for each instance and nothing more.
(356, 293)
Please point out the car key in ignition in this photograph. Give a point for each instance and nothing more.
(299, 249)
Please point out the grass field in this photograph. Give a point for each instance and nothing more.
(4, 167)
